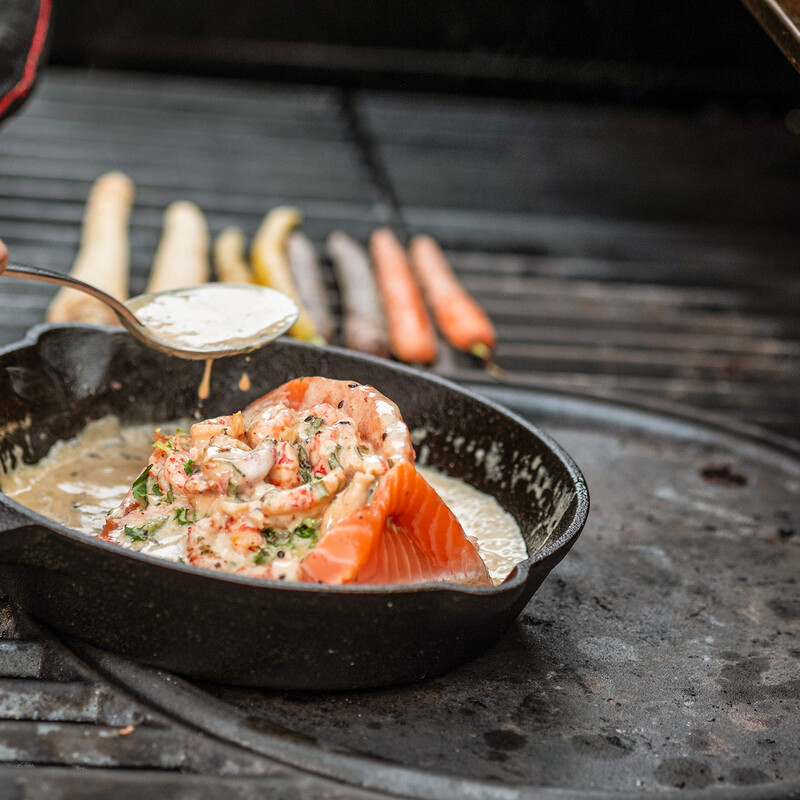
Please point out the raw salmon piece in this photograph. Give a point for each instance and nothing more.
(406, 534)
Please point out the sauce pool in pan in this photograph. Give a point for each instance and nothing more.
(81, 480)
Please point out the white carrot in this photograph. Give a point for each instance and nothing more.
(103, 259)
(182, 255)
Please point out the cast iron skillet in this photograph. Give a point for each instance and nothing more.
(244, 630)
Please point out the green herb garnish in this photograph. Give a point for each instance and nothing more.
(188, 467)
(315, 424)
(139, 488)
(182, 516)
(307, 528)
(137, 534)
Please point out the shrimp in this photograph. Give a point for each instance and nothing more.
(286, 470)
(232, 425)
(276, 422)
(377, 419)
(228, 463)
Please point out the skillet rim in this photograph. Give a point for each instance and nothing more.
(516, 578)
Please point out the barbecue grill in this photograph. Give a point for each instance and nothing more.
(640, 262)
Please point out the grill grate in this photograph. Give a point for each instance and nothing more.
(57, 714)
(626, 254)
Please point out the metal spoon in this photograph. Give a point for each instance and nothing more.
(279, 315)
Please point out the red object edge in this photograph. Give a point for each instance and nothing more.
(24, 84)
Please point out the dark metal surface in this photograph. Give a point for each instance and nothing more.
(661, 657)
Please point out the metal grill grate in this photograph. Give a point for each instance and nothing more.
(623, 254)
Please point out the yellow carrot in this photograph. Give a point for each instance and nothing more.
(271, 265)
(230, 264)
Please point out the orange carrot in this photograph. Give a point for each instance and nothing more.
(461, 320)
(411, 332)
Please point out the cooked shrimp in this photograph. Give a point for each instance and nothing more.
(286, 470)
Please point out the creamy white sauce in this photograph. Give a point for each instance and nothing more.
(216, 316)
(484, 520)
(81, 480)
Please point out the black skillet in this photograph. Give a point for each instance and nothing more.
(244, 630)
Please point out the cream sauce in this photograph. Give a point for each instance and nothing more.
(215, 317)
(204, 390)
(81, 480)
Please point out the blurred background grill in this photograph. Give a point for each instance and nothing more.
(618, 186)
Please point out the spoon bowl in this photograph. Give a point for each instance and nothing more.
(210, 320)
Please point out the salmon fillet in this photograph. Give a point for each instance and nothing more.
(406, 534)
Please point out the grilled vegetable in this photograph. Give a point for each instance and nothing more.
(364, 321)
(182, 255)
(230, 263)
(271, 265)
(310, 284)
(411, 332)
(103, 259)
(460, 319)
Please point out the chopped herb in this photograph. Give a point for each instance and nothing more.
(156, 490)
(305, 473)
(269, 533)
(179, 430)
(232, 490)
(320, 488)
(170, 496)
(165, 447)
(137, 534)
(139, 488)
(304, 466)
(260, 557)
(182, 516)
(307, 528)
(315, 424)
(156, 523)
(188, 467)
(333, 461)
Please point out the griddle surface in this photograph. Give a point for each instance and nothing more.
(662, 654)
